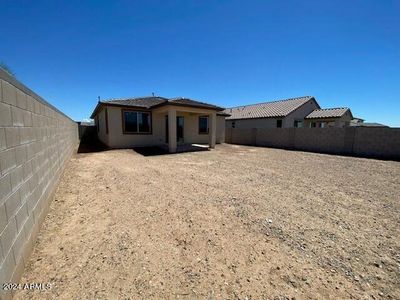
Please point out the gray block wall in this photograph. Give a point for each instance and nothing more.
(36, 142)
(383, 143)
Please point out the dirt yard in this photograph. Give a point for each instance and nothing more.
(233, 223)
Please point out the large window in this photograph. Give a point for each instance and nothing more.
(136, 122)
(203, 125)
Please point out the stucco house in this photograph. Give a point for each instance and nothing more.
(158, 121)
(285, 113)
(329, 117)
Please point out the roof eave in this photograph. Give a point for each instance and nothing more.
(188, 105)
(94, 113)
(270, 117)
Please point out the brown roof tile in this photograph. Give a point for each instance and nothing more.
(153, 101)
(145, 102)
(327, 113)
(190, 102)
(280, 108)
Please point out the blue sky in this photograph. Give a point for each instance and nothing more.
(345, 53)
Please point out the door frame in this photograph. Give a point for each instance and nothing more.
(177, 136)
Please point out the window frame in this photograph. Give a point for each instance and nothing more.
(208, 125)
(123, 111)
(297, 122)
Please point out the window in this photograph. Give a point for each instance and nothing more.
(313, 124)
(136, 122)
(298, 124)
(278, 123)
(233, 124)
(203, 125)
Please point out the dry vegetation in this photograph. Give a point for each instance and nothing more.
(230, 223)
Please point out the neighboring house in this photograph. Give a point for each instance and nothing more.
(357, 122)
(283, 113)
(329, 117)
(158, 121)
(367, 124)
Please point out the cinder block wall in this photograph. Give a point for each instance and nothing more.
(36, 141)
(381, 143)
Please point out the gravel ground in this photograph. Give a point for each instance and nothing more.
(236, 222)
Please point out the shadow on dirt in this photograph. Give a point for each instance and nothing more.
(154, 151)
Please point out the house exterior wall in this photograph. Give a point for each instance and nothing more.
(117, 139)
(299, 114)
(36, 142)
(220, 129)
(287, 122)
(102, 131)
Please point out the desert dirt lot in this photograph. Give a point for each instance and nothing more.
(230, 223)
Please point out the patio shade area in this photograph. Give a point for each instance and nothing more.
(233, 222)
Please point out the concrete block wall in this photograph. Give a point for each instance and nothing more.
(36, 141)
(324, 140)
(276, 137)
(377, 142)
(381, 143)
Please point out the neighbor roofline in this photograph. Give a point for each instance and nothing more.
(312, 118)
(280, 116)
(347, 110)
(274, 101)
(312, 98)
(273, 117)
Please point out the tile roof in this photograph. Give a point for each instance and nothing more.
(327, 113)
(152, 101)
(145, 102)
(367, 124)
(155, 101)
(190, 102)
(280, 108)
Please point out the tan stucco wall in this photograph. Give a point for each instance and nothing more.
(117, 139)
(36, 142)
(287, 122)
(102, 133)
(299, 114)
(220, 129)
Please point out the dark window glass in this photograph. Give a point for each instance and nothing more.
(203, 125)
(279, 123)
(313, 124)
(136, 121)
(144, 122)
(298, 124)
(233, 124)
(130, 119)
